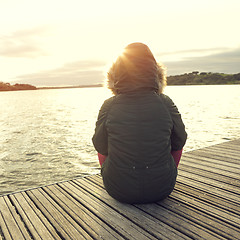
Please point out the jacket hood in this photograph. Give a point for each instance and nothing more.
(136, 69)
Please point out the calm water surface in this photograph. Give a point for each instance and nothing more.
(46, 134)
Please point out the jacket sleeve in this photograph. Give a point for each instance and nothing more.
(178, 134)
(100, 137)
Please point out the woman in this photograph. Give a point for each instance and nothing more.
(137, 129)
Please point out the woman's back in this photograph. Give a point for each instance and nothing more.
(137, 129)
(139, 167)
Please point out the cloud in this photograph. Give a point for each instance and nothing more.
(23, 43)
(196, 51)
(92, 71)
(70, 74)
(227, 61)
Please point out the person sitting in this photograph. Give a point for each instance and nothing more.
(139, 131)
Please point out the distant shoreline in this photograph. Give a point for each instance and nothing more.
(24, 87)
(64, 87)
(101, 85)
(194, 78)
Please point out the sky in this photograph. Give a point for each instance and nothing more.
(74, 42)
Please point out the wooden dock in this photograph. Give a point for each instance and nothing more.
(204, 205)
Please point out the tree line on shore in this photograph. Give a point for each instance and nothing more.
(15, 87)
(193, 78)
(203, 78)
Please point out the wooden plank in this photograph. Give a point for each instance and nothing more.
(197, 233)
(206, 187)
(233, 142)
(215, 158)
(187, 227)
(19, 228)
(7, 223)
(233, 178)
(205, 220)
(230, 156)
(235, 183)
(28, 213)
(221, 149)
(212, 210)
(215, 175)
(155, 227)
(203, 194)
(86, 219)
(208, 197)
(62, 222)
(44, 220)
(229, 146)
(45, 212)
(208, 162)
(195, 216)
(205, 156)
(213, 179)
(218, 196)
(114, 220)
(211, 182)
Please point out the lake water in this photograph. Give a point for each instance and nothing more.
(46, 134)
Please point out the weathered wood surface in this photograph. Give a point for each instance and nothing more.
(204, 205)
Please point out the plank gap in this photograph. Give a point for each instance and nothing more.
(90, 210)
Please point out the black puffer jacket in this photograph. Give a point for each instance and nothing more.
(137, 132)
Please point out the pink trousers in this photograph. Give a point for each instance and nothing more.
(176, 155)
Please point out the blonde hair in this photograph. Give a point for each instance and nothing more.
(161, 77)
(134, 69)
